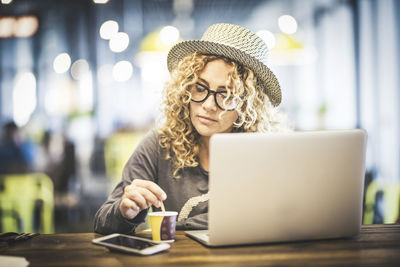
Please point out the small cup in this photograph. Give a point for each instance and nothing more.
(163, 225)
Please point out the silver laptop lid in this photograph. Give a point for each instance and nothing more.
(285, 187)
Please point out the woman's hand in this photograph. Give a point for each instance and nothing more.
(140, 195)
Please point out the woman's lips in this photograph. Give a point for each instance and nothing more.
(206, 120)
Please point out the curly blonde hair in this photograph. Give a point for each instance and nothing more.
(178, 136)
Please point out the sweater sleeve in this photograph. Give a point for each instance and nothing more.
(197, 222)
(141, 165)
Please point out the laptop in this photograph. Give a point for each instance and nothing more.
(283, 187)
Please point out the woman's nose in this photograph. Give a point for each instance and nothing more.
(209, 103)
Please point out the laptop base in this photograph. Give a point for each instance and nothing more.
(200, 236)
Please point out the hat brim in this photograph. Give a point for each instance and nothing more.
(264, 74)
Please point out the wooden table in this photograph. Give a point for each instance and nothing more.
(377, 245)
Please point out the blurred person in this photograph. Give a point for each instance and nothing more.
(97, 162)
(218, 84)
(59, 161)
(12, 156)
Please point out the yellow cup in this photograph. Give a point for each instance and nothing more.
(163, 225)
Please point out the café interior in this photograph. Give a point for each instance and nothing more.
(81, 82)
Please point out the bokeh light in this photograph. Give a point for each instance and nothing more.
(79, 68)
(169, 35)
(24, 97)
(119, 42)
(287, 24)
(61, 63)
(85, 93)
(122, 71)
(7, 27)
(26, 26)
(100, 1)
(108, 29)
(59, 96)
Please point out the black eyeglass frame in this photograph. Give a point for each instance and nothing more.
(209, 91)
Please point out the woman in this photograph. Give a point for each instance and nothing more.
(218, 84)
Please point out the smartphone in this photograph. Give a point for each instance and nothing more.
(130, 244)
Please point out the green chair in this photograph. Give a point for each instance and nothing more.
(390, 200)
(24, 198)
(117, 150)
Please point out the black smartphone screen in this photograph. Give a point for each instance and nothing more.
(128, 242)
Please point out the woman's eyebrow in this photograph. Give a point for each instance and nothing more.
(202, 85)
(208, 85)
(204, 81)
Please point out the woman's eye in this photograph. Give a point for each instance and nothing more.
(200, 89)
(223, 94)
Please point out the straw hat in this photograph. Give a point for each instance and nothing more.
(236, 43)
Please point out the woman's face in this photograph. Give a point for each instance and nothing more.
(206, 116)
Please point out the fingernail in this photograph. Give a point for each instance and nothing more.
(130, 213)
(164, 196)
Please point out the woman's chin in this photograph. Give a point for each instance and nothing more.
(205, 131)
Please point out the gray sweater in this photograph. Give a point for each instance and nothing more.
(188, 195)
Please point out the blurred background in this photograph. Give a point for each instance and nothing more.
(80, 83)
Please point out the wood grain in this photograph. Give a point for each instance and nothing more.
(377, 245)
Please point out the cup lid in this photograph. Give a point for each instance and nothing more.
(160, 213)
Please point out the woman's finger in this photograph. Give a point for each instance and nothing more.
(151, 186)
(148, 195)
(133, 193)
(128, 208)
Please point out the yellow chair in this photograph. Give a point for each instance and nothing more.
(117, 150)
(390, 202)
(24, 196)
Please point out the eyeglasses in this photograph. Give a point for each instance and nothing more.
(223, 99)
